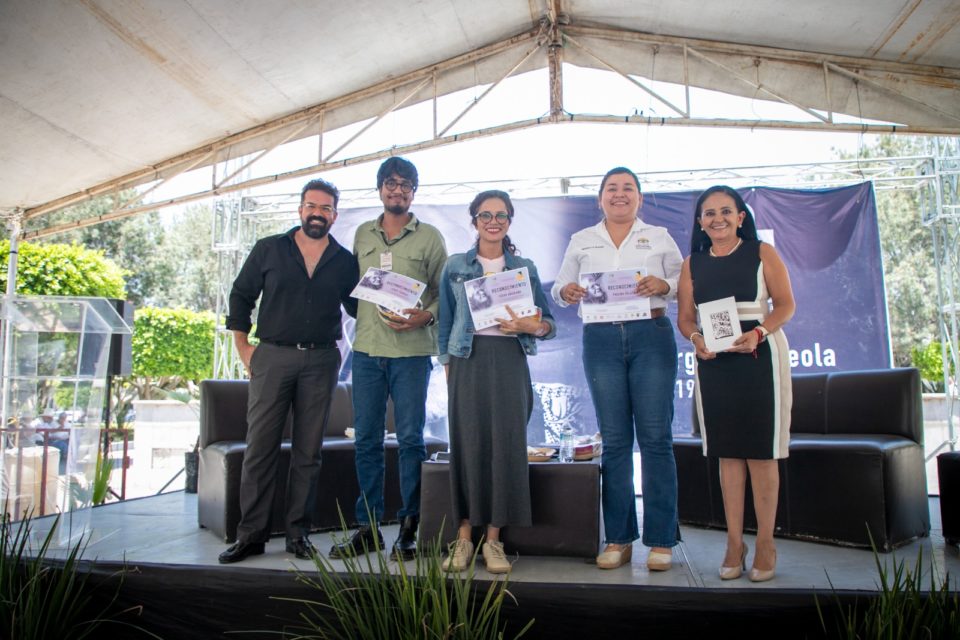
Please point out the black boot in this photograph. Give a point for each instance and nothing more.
(363, 541)
(405, 548)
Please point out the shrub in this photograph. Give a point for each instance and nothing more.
(170, 348)
(929, 360)
(63, 270)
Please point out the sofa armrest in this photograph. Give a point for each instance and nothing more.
(223, 411)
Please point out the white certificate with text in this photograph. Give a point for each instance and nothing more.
(720, 323)
(390, 290)
(612, 296)
(488, 297)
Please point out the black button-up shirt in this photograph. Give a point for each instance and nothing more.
(294, 308)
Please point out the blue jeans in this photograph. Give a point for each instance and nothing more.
(374, 380)
(631, 369)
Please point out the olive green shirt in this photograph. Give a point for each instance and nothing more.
(418, 252)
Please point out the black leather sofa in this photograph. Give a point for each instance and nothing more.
(223, 430)
(855, 470)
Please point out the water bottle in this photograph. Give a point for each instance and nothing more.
(566, 445)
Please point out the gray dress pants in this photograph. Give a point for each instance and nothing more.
(282, 378)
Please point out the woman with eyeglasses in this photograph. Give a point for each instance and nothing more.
(489, 390)
(631, 369)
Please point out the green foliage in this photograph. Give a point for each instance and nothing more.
(63, 270)
(902, 609)
(190, 246)
(171, 348)
(929, 360)
(907, 249)
(101, 479)
(173, 342)
(40, 599)
(137, 244)
(369, 600)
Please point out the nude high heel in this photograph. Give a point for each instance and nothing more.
(732, 573)
(762, 575)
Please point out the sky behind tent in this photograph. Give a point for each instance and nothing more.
(562, 150)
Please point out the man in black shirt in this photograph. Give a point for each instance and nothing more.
(303, 276)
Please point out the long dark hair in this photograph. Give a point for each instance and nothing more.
(699, 240)
(508, 246)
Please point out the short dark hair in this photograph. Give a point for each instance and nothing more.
(321, 185)
(699, 240)
(400, 166)
(508, 246)
(617, 171)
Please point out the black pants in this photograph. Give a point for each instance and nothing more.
(281, 378)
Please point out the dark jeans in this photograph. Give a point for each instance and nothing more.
(374, 380)
(281, 378)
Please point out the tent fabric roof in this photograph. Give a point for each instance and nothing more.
(93, 91)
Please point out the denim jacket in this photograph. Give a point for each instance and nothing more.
(456, 325)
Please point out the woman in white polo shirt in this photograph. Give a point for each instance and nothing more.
(631, 369)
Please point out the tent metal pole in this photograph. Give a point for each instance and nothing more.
(13, 224)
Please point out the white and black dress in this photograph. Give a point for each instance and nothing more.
(743, 399)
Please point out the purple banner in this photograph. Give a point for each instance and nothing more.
(828, 239)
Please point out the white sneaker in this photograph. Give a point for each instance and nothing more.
(459, 556)
(495, 558)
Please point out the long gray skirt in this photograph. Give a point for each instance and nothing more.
(490, 400)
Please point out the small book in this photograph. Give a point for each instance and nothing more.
(720, 323)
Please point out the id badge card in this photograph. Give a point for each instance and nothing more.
(386, 261)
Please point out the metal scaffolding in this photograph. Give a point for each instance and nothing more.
(241, 221)
(941, 212)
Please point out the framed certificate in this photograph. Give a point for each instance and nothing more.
(720, 323)
(390, 290)
(612, 296)
(489, 296)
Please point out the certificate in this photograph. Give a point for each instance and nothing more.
(612, 296)
(720, 323)
(391, 290)
(488, 297)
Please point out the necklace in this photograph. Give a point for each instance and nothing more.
(735, 247)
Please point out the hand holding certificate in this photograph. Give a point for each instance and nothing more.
(489, 296)
(720, 323)
(612, 296)
(390, 290)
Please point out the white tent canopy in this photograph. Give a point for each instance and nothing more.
(97, 95)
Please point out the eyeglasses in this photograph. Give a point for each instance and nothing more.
(486, 216)
(392, 184)
(312, 209)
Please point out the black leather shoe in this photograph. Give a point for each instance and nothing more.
(301, 547)
(364, 540)
(240, 551)
(405, 548)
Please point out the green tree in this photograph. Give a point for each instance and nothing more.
(907, 249)
(190, 245)
(136, 243)
(63, 270)
(171, 347)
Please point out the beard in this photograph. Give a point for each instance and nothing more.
(397, 209)
(315, 227)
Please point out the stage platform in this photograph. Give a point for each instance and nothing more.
(185, 593)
